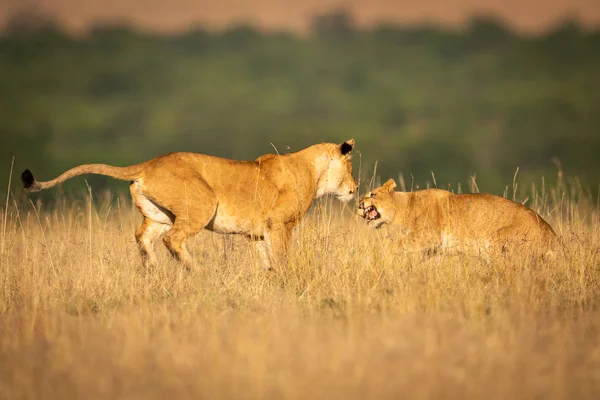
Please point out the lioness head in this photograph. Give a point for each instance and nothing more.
(337, 178)
(378, 206)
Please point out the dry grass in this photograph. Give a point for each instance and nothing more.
(348, 318)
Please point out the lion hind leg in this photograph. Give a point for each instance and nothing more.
(193, 206)
(157, 222)
(146, 236)
(183, 229)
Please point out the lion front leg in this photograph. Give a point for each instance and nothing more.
(264, 253)
(420, 242)
(274, 249)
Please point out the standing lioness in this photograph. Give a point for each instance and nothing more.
(179, 194)
(433, 218)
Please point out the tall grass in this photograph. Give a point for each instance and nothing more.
(349, 317)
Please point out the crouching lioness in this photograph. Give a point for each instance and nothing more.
(437, 219)
(179, 194)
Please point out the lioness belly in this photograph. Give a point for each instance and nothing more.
(227, 223)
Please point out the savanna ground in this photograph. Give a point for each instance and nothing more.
(347, 318)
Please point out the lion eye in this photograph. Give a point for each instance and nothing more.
(373, 194)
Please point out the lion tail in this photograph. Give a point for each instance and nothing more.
(123, 173)
(555, 248)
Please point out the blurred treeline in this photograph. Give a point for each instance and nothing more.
(417, 99)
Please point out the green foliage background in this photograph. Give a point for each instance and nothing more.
(421, 99)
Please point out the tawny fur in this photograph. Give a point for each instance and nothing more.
(180, 194)
(438, 219)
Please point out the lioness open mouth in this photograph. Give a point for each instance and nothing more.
(371, 213)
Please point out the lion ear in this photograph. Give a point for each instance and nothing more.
(390, 185)
(347, 146)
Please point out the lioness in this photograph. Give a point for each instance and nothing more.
(180, 194)
(438, 219)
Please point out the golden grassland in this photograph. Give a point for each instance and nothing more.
(349, 317)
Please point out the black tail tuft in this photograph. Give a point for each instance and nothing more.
(27, 179)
